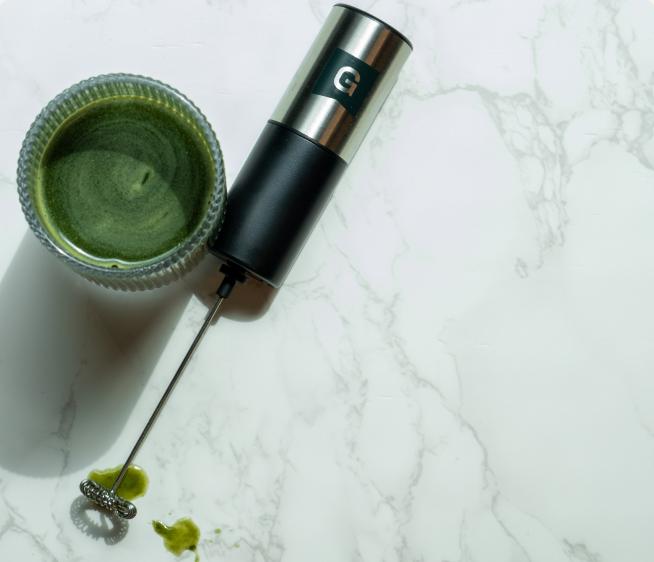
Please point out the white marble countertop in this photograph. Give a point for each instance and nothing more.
(459, 367)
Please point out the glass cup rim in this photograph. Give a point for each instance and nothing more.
(170, 264)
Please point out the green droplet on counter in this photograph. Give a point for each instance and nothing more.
(182, 535)
(133, 486)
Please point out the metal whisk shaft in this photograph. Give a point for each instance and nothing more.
(109, 499)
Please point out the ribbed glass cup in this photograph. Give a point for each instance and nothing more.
(156, 271)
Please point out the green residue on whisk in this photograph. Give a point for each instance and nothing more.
(180, 536)
(133, 486)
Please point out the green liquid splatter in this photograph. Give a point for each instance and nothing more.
(182, 535)
(133, 486)
(124, 181)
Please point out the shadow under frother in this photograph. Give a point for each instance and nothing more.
(74, 357)
(97, 523)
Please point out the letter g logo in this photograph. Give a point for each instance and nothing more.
(347, 79)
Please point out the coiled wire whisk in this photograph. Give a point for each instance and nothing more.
(107, 499)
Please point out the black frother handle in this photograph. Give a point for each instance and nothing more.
(275, 201)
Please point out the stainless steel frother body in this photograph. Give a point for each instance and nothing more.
(313, 134)
(292, 170)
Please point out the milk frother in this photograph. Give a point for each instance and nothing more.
(292, 170)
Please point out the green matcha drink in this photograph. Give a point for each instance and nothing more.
(183, 535)
(133, 486)
(122, 176)
(124, 181)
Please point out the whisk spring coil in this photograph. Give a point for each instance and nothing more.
(107, 499)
